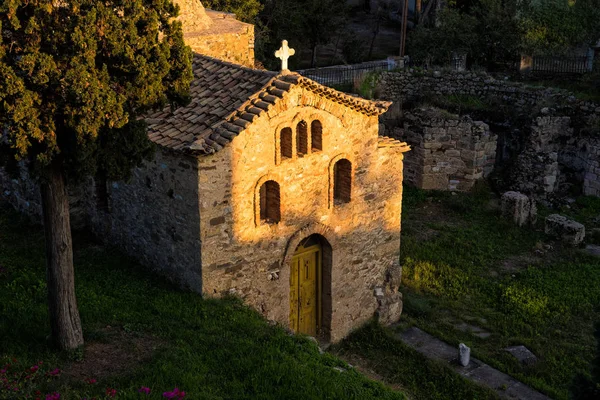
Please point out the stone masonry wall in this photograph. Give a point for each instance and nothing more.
(591, 182)
(22, 192)
(253, 260)
(545, 156)
(227, 39)
(154, 217)
(406, 85)
(448, 152)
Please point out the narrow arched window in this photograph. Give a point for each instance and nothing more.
(285, 143)
(316, 135)
(302, 138)
(270, 211)
(342, 181)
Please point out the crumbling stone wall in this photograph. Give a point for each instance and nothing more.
(408, 84)
(448, 152)
(591, 182)
(542, 144)
(536, 168)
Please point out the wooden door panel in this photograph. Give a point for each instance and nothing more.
(304, 290)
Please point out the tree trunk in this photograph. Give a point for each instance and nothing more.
(404, 26)
(62, 305)
(375, 33)
(313, 62)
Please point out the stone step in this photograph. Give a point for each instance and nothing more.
(504, 385)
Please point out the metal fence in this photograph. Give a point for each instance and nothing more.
(552, 65)
(345, 74)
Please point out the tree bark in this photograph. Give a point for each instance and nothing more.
(313, 61)
(62, 305)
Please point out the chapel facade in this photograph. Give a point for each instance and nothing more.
(268, 186)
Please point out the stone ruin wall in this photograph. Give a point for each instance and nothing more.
(406, 85)
(536, 169)
(448, 152)
(591, 182)
(154, 217)
(554, 153)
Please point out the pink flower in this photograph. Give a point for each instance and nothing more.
(34, 368)
(175, 394)
(144, 389)
(3, 371)
(54, 372)
(111, 392)
(53, 396)
(90, 381)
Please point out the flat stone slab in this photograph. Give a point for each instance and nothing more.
(564, 229)
(504, 385)
(473, 329)
(523, 354)
(592, 250)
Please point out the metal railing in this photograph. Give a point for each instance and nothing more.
(345, 74)
(562, 65)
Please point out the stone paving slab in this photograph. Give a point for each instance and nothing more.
(504, 385)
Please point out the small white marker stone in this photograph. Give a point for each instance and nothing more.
(464, 354)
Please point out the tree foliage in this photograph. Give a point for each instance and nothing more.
(304, 23)
(495, 32)
(245, 10)
(75, 75)
(455, 33)
(555, 26)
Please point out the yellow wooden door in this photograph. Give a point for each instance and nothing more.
(305, 289)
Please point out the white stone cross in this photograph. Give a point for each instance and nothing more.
(284, 53)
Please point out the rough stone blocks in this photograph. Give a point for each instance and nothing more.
(519, 208)
(568, 231)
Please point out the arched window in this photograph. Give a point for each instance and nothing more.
(302, 138)
(316, 135)
(286, 144)
(342, 181)
(270, 211)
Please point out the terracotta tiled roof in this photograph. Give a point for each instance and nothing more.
(217, 90)
(226, 98)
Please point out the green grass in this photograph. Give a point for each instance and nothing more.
(211, 349)
(397, 363)
(584, 88)
(463, 263)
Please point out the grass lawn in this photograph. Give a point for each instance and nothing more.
(465, 269)
(141, 332)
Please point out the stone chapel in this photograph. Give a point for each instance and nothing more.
(267, 185)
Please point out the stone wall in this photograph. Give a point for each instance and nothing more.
(409, 84)
(154, 217)
(228, 39)
(542, 132)
(22, 192)
(253, 260)
(448, 152)
(591, 182)
(535, 170)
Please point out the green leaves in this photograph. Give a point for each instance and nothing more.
(71, 75)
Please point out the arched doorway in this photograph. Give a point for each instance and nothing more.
(310, 287)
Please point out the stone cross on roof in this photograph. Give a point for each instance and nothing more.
(284, 53)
